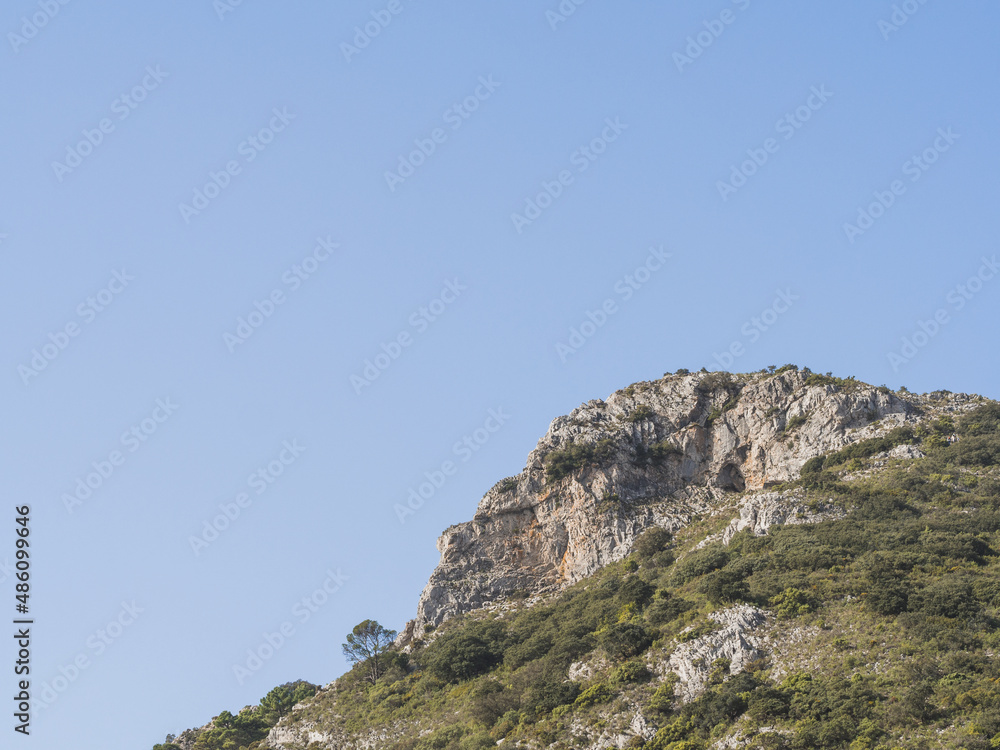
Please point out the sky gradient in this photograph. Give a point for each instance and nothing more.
(263, 264)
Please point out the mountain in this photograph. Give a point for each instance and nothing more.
(660, 453)
(780, 559)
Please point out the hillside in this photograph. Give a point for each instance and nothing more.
(775, 560)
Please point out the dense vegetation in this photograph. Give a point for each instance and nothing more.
(896, 602)
(250, 725)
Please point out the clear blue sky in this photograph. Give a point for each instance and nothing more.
(486, 302)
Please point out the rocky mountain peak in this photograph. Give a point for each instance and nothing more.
(654, 453)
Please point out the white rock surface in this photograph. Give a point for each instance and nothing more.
(581, 671)
(905, 451)
(740, 640)
(759, 512)
(288, 736)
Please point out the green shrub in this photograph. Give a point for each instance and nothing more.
(625, 640)
(466, 652)
(227, 730)
(667, 607)
(479, 740)
(563, 462)
(792, 602)
(609, 501)
(700, 562)
(597, 693)
(889, 597)
(655, 454)
(506, 724)
(978, 450)
(813, 466)
(651, 541)
(490, 701)
(842, 644)
(640, 414)
(868, 448)
(725, 586)
(634, 590)
(662, 701)
(716, 381)
(828, 379)
(719, 671)
(767, 704)
(705, 627)
(506, 485)
(672, 734)
(950, 596)
(631, 671)
(933, 442)
(984, 420)
(452, 737)
(542, 689)
(795, 422)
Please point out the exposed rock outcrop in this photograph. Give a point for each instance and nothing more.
(662, 453)
(759, 512)
(295, 731)
(738, 641)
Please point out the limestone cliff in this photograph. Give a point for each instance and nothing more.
(655, 453)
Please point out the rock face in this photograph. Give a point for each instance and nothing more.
(296, 732)
(662, 452)
(760, 511)
(186, 739)
(282, 736)
(904, 451)
(737, 641)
